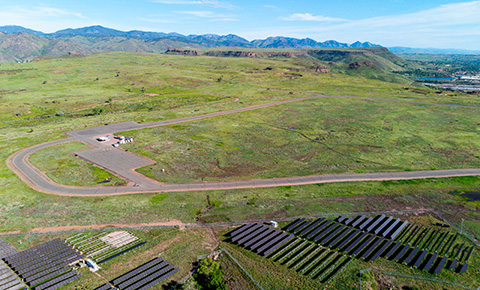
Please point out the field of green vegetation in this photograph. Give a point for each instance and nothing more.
(40, 101)
(318, 136)
(59, 163)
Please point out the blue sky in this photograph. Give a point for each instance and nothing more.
(426, 23)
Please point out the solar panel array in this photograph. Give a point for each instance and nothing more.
(143, 277)
(8, 279)
(6, 249)
(45, 266)
(369, 238)
(304, 256)
(104, 246)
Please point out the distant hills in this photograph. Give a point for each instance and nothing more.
(18, 43)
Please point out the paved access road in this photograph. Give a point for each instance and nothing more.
(124, 163)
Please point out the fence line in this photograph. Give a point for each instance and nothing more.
(223, 250)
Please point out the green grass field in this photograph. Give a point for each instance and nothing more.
(59, 163)
(40, 101)
(321, 136)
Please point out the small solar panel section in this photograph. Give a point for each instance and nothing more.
(8, 278)
(6, 249)
(46, 266)
(144, 276)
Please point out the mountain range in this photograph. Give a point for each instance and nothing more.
(18, 43)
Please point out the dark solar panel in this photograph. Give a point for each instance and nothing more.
(277, 245)
(252, 235)
(332, 234)
(325, 231)
(440, 265)
(372, 247)
(56, 280)
(311, 226)
(420, 259)
(393, 250)
(149, 279)
(355, 242)
(246, 232)
(293, 224)
(44, 277)
(363, 245)
(400, 254)
(272, 242)
(453, 265)
(430, 261)
(348, 239)
(265, 239)
(316, 230)
(411, 255)
(159, 279)
(339, 237)
(155, 270)
(382, 249)
(240, 229)
(137, 270)
(301, 226)
(259, 237)
(462, 269)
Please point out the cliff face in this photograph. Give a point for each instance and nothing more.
(232, 53)
(178, 51)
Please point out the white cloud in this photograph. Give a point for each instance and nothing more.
(212, 3)
(310, 17)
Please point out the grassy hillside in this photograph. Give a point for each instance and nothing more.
(42, 100)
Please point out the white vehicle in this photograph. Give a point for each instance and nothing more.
(115, 145)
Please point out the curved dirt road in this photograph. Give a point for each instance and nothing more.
(124, 163)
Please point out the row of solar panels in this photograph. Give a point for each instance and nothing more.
(8, 279)
(311, 260)
(304, 256)
(369, 246)
(260, 238)
(437, 241)
(6, 249)
(45, 266)
(143, 277)
(380, 225)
